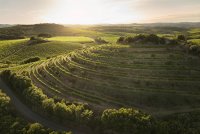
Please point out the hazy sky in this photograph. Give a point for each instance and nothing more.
(98, 11)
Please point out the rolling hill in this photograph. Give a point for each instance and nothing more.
(155, 79)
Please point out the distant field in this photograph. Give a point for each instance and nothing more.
(78, 39)
(195, 41)
(194, 33)
(195, 30)
(110, 39)
(11, 47)
(17, 50)
(156, 79)
(44, 50)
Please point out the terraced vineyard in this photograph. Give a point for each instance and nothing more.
(155, 78)
(17, 50)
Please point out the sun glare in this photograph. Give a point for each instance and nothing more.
(87, 12)
(74, 12)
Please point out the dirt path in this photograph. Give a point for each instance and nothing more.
(28, 114)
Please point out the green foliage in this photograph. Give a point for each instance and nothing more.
(129, 121)
(181, 38)
(37, 98)
(36, 128)
(11, 124)
(36, 40)
(143, 39)
(121, 40)
(193, 48)
(31, 30)
(183, 123)
(4, 103)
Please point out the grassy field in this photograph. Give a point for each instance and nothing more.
(72, 39)
(16, 51)
(9, 47)
(197, 41)
(155, 79)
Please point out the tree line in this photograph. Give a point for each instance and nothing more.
(11, 124)
(39, 102)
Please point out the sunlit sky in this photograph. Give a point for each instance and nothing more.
(98, 11)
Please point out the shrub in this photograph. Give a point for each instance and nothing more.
(129, 121)
(32, 59)
(120, 40)
(4, 103)
(36, 128)
(181, 38)
(36, 40)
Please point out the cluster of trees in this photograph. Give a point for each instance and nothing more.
(142, 38)
(131, 121)
(36, 40)
(190, 47)
(35, 97)
(128, 121)
(29, 60)
(34, 30)
(184, 123)
(11, 124)
(10, 34)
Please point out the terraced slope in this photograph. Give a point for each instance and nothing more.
(16, 51)
(156, 79)
(10, 47)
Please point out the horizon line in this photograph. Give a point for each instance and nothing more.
(103, 23)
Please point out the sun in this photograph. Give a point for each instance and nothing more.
(88, 12)
(74, 12)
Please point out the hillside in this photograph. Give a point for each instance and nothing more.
(15, 51)
(103, 78)
(152, 78)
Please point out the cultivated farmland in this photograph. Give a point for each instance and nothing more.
(112, 79)
(156, 79)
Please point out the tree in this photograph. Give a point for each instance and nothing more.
(48, 105)
(181, 38)
(120, 40)
(36, 128)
